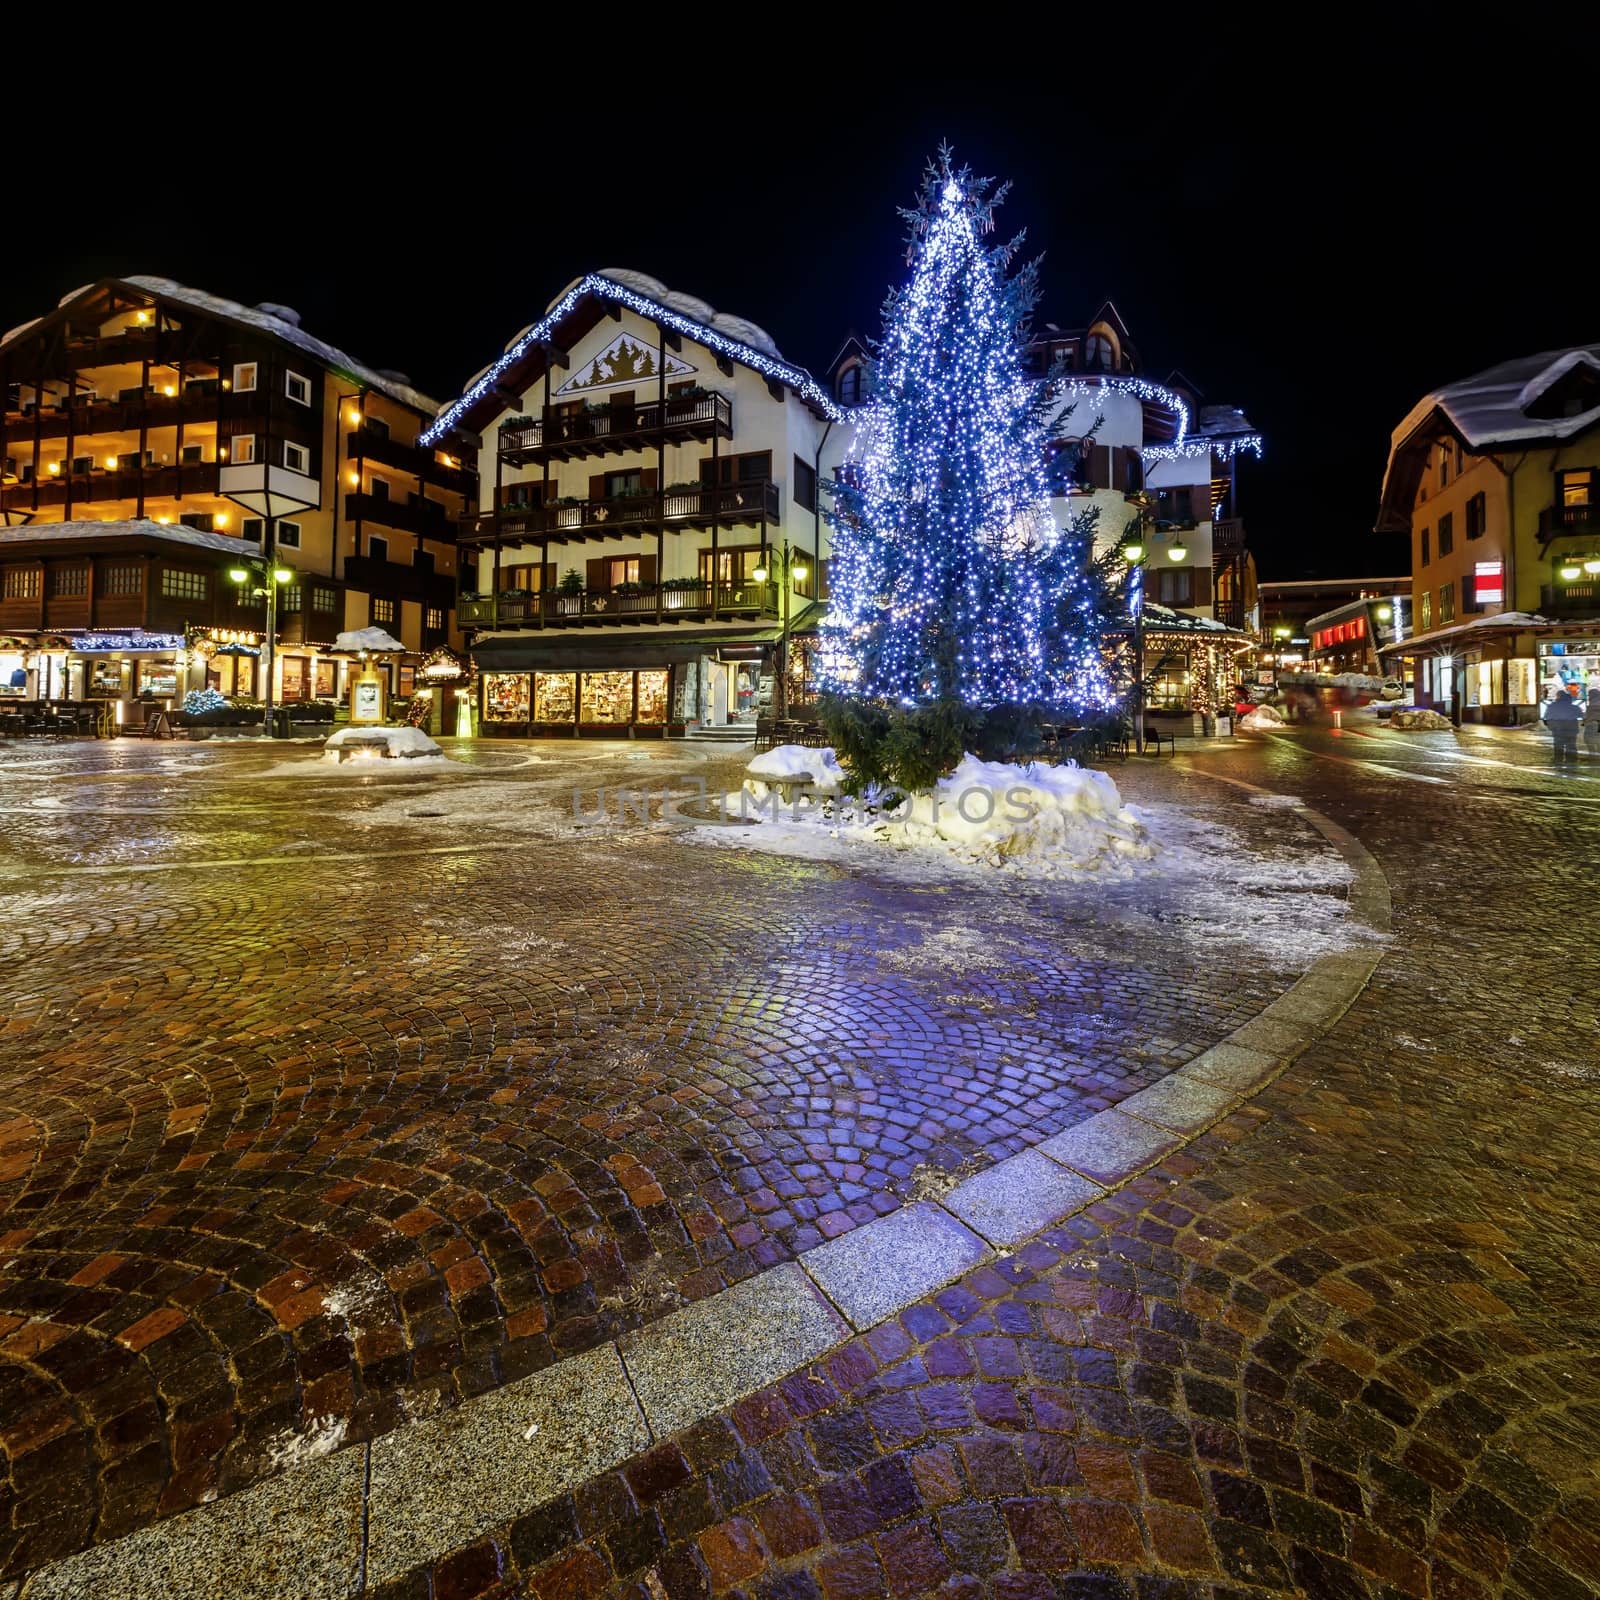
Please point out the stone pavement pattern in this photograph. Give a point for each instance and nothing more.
(1344, 1345)
(311, 1128)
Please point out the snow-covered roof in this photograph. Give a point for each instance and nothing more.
(1221, 422)
(1501, 619)
(371, 638)
(172, 532)
(1492, 408)
(268, 319)
(732, 337)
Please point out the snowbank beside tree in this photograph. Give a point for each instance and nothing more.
(790, 767)
(1263, 719)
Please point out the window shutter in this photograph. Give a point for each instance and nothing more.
(599, 573)
(549, 576)
(650, 479)
(1202, 586)
(647, 570)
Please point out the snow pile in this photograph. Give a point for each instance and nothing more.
(1420, 721)
(1263, 719)
(787, 766)
(407, 743)
(1045, 817)
(354, 640)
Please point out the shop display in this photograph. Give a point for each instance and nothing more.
(294, 678)
(105, 678)
(553, 695)
(607, 697)
(1573, 663)
(652, 697)
(324, 689)
(505, 697)
(157, 678)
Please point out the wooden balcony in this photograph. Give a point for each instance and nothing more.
(159, 483)
(1580, 599)
(560, 435)
(415, 514)
(669, 602)
(730, 505)
(397, 581)
(1227, 536)
(363, 445)
(1557, 520)
(86, 417)
(131, 344)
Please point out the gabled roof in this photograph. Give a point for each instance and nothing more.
(144, 527)
(277, 321)
(1486, 411)
(581, 305)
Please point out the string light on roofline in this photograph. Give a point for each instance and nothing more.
(1191, 449)
(607, 289)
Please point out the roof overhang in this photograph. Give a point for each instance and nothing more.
(501, 384)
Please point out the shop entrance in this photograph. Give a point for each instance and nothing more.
(719, 695)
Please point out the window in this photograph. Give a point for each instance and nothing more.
(1477, 516)
(805, 485)
(1447, 602)
(624, 483)
(296, 457)
(121, 580)
(205, 521)
(288, 535)
(324, 599)
(250, 529)
(1175, 586)
(297, 388)
(624, 569)
(244, 376)
(378, 488)
(1425, 557)
(434, 618)
(850, 385)
(1447, 533)
(69, 581)
(242, 448)
(177, 584)
(192, 454)
(1444, 465)
(1576, 487)
(377, 549)
(376, 426)
(383, 610)
(1459, 463)
(291, 597)
(1425, 613)
(21, 583)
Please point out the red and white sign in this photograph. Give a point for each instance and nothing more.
(1489, 583)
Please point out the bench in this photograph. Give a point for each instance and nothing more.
(1158, 737)
(361, 744)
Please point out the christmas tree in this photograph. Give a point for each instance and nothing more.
(950, 580)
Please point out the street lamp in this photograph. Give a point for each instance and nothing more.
(257, 578)
(1133, 555)
(1385, 613)
(791, 568)
(1177, 552)
(1570, 572)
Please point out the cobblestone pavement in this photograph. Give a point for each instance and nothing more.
(327, 1103)
(1344, 1345)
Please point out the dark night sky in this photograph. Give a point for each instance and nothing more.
(1320, 240)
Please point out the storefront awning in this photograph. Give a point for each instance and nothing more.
(1502, 627)
(585, 652)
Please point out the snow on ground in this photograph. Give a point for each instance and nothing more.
(1420, 721)
(788, 764)
(405, 742)
(1263, 719)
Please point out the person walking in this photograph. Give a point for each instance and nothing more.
(1591, 723)
(1561, 717)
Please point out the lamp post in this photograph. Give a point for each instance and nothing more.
(790, 567)
(264, 580)
(1133, 554)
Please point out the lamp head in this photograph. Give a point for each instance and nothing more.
(238, 574)
(759, 574)
(801, 572)
(1133, 552)
(281, 574)
(1177, 552)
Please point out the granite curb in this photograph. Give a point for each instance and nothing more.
(372, 1512)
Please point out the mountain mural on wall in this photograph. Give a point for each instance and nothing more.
(625, 360)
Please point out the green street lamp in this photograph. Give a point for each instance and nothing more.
(256, 576)
(790, 568)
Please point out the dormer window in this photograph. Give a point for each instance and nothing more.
(1100, 350)
(850, 385)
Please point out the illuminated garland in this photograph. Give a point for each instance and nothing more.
(949, 578)
(1093, 394)
(1224, 449)
(607, 289)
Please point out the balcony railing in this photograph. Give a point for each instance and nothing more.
(415, 514)
(87, 488)
(562, 435)
(731, 504)
(364, 445)
(668, 602)
(398, 581)
(1556, 520)
(1571, 599)
(1227, 536)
